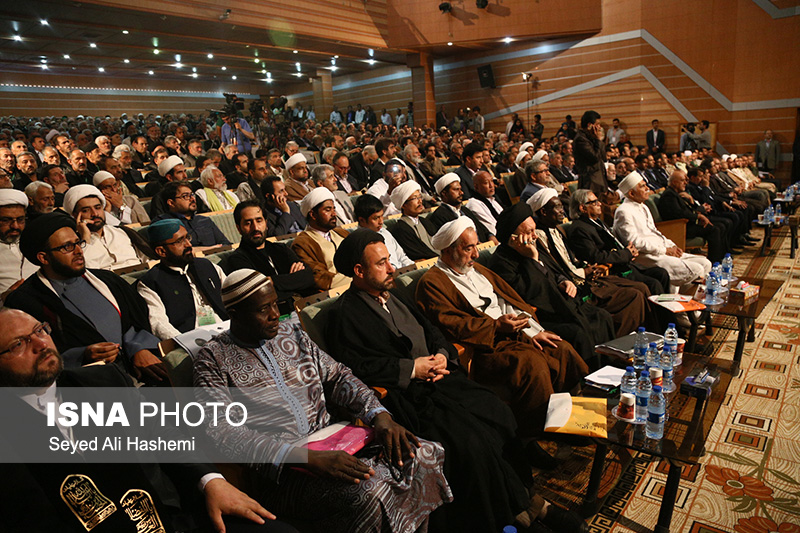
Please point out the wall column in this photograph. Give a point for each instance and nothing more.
(422, 88)
(323, 94)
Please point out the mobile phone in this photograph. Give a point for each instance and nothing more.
(524, 315)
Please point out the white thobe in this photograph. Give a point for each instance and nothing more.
(633, 223)
(111, 251)
(397, 256)
(13, 266)
(481, 210)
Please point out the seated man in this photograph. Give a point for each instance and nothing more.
(511, 353)
(538, 179)
(182, 204)
(169, 169)
(182, 291)
(95, 314)
(54, 176)
(125, 208)
(448, 187)
(676, 203)
(633, 223)
(388, 344)
(250, 189)
(275, 260)
(14, 268)
(316, 245)
(369, 213)
(283, 216)
(323, 176)
(551, 293)
(410, 231)
(287, 383)
(107, 247)
(593, 242)
(214, 193)
(626, 300)
(473, 161)
(297, 184)
(484, 204)
(41, 198)
(35, 501)
(717, 206)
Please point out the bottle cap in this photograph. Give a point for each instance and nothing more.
(626, 398)
(628, 369)
(645, 374)
(715, 264)
(670, 325)
(656, 388)
(641, 329)
(654, 345)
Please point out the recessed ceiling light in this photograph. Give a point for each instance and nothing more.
(43, 67)
(126, 60)
(224, 68)
(371, 52)
(263, 72)
(156, 51)
(508, 40)
(334, 68)
(92, 45)
(233, 77)
(150, 72)
(101, 69)
(336, 57)
(125, 32)
(178, 65)
(268, 80)
(371, 61)
(66, 56)
(210, 56)
(17, 38)
(255, 60)
(43, 60)
(194, 69)
(297, 65)
(43, 22)
(450, 43)
(178, 58)
(194, 74)
(295, 51)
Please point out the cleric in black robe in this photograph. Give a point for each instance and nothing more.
(581, 324)
(388, 344)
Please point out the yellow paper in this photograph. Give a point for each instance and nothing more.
(587, 416)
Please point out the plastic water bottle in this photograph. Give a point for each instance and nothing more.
(651, 358)
(770, 216)
(639, 349)
(656, 409)
(628, 383)
(727, 268)
(778, 211)
(667, 369)
(722, 282)
(643, 389)
(712, 290)
(671, 341)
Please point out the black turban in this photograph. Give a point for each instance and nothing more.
(510, 219)
(349, 253)
(37, 232)
(88, 147)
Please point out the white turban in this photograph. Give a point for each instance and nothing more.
(525, 146)
(541, 197)
(520, 156)
(79, 192)
(50, 135)
(168, 164)
(687, 153)
(403, 192)
(100, 176)
(13, 197)
(314, 198)
(733, 156)
(442, 183)
(538, 156)
(630, 181)
(725, 157)
(450, 232)
(294, 160)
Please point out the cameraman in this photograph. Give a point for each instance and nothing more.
(236, 131)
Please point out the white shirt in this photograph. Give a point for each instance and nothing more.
(481, 210)
(360, 116)
(111, 251)
(477, 289)
(159, 321)
(13, 266)
(614, 134)
(397, 256)
(386, 119)
(633, 223)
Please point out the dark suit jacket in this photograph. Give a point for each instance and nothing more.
(359, 171)
(593, 245)
(590, 163)
(279, 224)
(656, 143)
(672, 206)
(444, 214)
(466, 181)
(414, 248)
(559, 174)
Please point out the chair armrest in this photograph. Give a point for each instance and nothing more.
(674, 230)
(380, 392)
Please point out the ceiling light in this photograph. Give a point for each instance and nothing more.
(334, 68)
(43, 67)
(178, 58)
(66, 56)
(294, 51)
(92, 45)
(450, 43)
(298, 74)
(224, 68)
(126, 60)
(101, 69)
(210, 56)
(125, 32)
(508, 40)
(194, 69)
(178, 65)
(43, 22)
(150, 72)
(255, 60)
(297, 65)
(371, 61)
(18, 38)
(268, 80)
(43, 60)
(233, 77)
(333, 61)
(263, 72)
(156, 51)
(269, 74)
(194, 74)
(336, 57)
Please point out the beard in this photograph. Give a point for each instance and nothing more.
(68, 270)
(256, 238)
(96, 224)
(39, 377)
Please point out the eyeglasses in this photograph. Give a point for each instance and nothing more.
(7, 221)
(414, 197)
(185, 196)
(69, 247)
(180, 240)
(592, 202)
(20, 344)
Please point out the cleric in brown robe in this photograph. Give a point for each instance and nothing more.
(510, 352)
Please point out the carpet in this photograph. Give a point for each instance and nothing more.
(749, 479)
